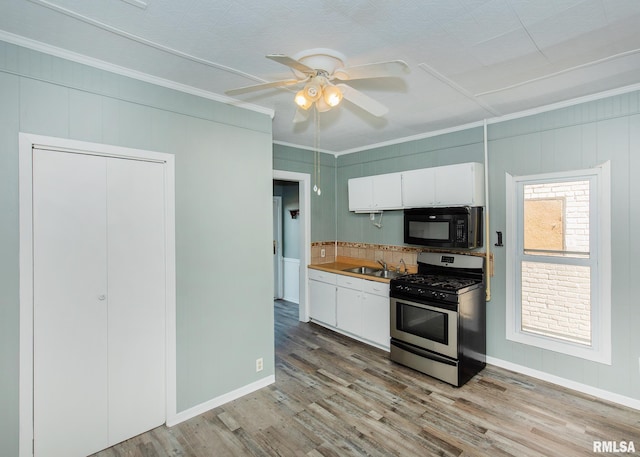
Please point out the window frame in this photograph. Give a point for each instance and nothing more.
(599, 262)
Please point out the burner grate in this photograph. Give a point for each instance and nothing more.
(450, 283)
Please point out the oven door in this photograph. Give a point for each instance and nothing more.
(426, 326)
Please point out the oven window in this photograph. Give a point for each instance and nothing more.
(424, 323)
(429, 230)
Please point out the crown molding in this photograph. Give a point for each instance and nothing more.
(406, 139)
(499, 119)
(96, 63)
(122, 71)
(306, 148)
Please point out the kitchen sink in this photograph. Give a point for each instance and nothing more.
(364, 270)
(372, 271)
(389, 274)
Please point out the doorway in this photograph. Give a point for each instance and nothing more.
(302, 242)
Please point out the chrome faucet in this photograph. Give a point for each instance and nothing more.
(383, 263)
(404, 264)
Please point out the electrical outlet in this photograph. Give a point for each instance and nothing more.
(259, 364)
(322, 253)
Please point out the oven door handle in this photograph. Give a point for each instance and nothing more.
(423, 353)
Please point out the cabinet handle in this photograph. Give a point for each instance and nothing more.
(102, 297)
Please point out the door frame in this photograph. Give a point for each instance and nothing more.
(278, 291)
(304, 196)
(26, 143)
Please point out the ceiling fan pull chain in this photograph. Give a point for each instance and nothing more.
(317, 146)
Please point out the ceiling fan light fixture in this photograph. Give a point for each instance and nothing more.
(313, 91)
(332, 95)
(322, 106)
(302, 100)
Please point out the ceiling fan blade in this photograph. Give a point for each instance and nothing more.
(301, 115)
(372, 70)
(363, 101)
(282, 83)
(292, 63)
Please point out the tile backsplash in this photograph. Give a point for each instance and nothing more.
(329, 248)
(347, 251)
(387, 253)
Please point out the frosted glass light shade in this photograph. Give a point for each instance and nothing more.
(332, 95)
(302, 101)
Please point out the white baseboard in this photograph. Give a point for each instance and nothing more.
(585, 389)
(219, 401)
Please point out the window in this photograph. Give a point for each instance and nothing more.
(558, 279)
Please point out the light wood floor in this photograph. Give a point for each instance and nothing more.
(336, 397)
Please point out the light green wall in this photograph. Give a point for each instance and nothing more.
(223, 213)
(576, 137)
(323, 210)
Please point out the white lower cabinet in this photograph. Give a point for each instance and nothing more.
(363, 309)
(350, 305)
(322, 297)
(375, 317)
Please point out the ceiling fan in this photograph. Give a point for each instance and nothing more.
(317, 69)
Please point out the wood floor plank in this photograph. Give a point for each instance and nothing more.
(336, 397)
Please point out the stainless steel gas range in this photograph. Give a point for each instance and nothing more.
(438, 321)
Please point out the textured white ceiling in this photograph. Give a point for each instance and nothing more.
(469, 59)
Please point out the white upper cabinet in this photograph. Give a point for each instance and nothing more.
(375, 193)
(360, 193)
(451, 185)
(419, 188)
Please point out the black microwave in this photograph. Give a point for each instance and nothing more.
(455, 227)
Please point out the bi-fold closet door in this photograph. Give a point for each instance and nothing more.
(99, 301)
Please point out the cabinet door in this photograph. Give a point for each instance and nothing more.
(375, 319)
(387, 191)
(70, 390)
(418, 188)
(136, 297)
(349, 306)
(322, 298)
(360, 193)
(455, 185)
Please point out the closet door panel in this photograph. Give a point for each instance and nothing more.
(70, 304)
(136, 272)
